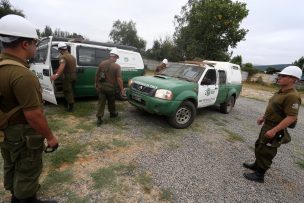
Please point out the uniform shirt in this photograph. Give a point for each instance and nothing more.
(160, 68)
(18, 86)
(112, 71)
(283, 104)
(70, 63)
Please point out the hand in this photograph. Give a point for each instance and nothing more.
(54, 77)
(53, 143)
(123, 92)
(270, 133)
(260, 120)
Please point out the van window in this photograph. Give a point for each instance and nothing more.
(222, 77)
(42, 50)
(89, 56)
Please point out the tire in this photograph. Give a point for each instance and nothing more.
(227, 106)
(183, 116)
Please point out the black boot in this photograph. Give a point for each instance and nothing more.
(251, 166)
(113, 115)
(70, 107)
(99, 121)
(14, 199)
(256, 176)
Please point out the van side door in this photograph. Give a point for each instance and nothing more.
(208, 88)
(42, 68)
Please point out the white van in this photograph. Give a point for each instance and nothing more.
(88, 55)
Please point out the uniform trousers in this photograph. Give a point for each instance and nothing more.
(106, 94)
(22, 154)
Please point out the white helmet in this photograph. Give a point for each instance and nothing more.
(165, 61)
(294, 71)
(62, 45)
(114, 51)
(14, 26)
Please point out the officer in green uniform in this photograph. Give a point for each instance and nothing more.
(67, 68)
(108, 76)
(24, 132)
(281, 113)
(161, 67)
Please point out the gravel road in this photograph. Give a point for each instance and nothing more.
(207, 167)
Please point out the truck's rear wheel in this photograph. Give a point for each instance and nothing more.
(227, 106)
(183, 116)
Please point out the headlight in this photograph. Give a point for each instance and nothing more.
(164, 94)
(130, 83)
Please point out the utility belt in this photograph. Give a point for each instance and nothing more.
(22, 141)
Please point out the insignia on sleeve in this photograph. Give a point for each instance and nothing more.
(62, 61)
(295, 106)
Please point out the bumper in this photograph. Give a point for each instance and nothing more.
(151, 104)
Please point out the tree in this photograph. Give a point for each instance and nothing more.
(6, 8)
(237, 60)
(299, 63)
(58, 33)
(164, 49)
(125, 33)
(208, 28)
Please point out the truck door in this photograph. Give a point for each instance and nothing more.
(41, 67)
(223, 89)
(208, 89)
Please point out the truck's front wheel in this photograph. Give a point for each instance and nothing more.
(183, 116)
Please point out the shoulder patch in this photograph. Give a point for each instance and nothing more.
(295, 106)
(62, 61)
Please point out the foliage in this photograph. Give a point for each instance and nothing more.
(207, 28)
(125, 33)
(248, 67)
(164, 49)
(299, 62)
(58, 33)
(271, 70)
(237, 60)
(6, 8)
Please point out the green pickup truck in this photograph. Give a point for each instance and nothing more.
(182, 88)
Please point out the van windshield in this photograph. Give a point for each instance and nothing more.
(190, 73)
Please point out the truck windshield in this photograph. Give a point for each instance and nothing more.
(185, 72)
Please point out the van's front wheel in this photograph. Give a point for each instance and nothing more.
(183, 116)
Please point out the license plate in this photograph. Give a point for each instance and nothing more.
(136, 98)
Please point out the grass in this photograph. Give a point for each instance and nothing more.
(103, 147)
(145, 181)
(232, 137)
(300, 163)
(67, 154)
(54, 178)
(119, 143)
(85, 126)
(109, 176)
(165, 195)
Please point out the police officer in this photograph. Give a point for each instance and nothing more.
(67, 68)
(108, 76)
(24, 135)
(161, 67)
(281, 113)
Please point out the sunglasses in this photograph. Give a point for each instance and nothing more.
(283, 76)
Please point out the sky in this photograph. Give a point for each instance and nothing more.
(276, 31)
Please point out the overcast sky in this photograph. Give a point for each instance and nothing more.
(276, 31)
